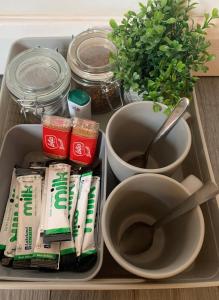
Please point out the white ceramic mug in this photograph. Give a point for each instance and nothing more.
(145, 198)
(130, 130)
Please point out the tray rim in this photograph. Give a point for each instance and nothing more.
(108, 283)
(204, 144)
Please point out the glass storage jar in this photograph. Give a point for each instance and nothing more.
(88, 57)
(39, 81)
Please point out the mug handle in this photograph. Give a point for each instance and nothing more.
(187, 116)
(192, 184)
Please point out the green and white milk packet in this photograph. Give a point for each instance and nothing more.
(56, 225)
(68, 250)
(29, 211)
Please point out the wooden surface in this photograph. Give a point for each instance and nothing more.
(187, 294)
(213, 37)
(193, 294)
(208, 97)
(207, 92)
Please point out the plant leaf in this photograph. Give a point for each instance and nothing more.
(157, 107)
(156, 59)
(142, 6)
(113, 24)
(211, 57)
(171, 21)
(163, 48)
(206, 15)
(215, 13)
(163, 3)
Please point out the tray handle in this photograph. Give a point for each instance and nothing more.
(192, 184)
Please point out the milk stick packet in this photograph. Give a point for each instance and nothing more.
(12, 240)
(56, 226)
(37, 165)
(29, 171)
(89, 247)
(45, 255)
(43, 202)
(9, 252)
(8, 215)
(80, 213)
(68, 251)
(29, 210)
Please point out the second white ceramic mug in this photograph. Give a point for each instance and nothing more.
(146, 198)
(130, 130)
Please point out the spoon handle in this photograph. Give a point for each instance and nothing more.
(173, 118)
(170, 122)
(205, 193)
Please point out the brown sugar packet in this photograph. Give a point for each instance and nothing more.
(83, 141)
(56, 136)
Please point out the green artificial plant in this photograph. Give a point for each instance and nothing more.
(159, 47)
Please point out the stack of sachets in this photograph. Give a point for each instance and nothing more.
(49, 220)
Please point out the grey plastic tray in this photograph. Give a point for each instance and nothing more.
(204, 271)
(23, 144)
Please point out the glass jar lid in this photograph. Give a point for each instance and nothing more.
(89, 53)
(38, 74)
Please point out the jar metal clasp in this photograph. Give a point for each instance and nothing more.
(30, 106)
(106, 87)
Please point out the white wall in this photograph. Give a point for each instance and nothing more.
(24, 18)
(72, 8)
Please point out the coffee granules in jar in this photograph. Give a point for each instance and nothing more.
(105, 96)
(89, 59)
(83, 141)
(56, 136)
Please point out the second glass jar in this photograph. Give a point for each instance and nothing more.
(89, 60)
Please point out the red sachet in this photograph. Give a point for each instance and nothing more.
(83, 141)
(56, 136)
